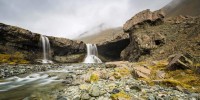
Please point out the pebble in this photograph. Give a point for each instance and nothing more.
(85, 96)
(115, 90)
(94, 91)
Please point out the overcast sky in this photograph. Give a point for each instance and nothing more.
(70, 18)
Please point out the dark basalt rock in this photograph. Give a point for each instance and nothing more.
(110, 50)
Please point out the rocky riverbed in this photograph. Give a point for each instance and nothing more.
(110, 81)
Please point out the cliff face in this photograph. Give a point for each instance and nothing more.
(14, 39)
(153, 37)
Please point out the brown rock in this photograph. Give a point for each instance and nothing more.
(142, 43)
(143, 17)
(160, 74)
(141, 72)
(179, 61)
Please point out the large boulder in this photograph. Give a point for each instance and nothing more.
(141, 72)
(144, 17)
(179, 61)
(14, 39)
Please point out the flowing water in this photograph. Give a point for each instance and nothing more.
(92, 54)
(46, 49)
(17, 88)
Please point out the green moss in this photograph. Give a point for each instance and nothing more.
(15, 58)
(120, 96)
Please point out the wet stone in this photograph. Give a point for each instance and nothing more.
(61, 98)
(95, 91)
(114, 91)
(135, 87)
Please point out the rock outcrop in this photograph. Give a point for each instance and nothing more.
(67, 51)
(179, 61)
(142, 43)
(14, 39)
(142, 18)
(155, 38)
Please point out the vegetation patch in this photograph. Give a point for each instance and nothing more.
(94, 77)
(123, 71)
(187, 79)
(15, 58)
(121, 96)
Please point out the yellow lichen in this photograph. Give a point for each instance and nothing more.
(116, 75)
(15, 58)
(187, 79)
(123, 71)
(94, 77)
(174, 83)
(120, 96)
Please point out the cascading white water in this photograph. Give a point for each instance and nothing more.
(46, 50)
(92, 54)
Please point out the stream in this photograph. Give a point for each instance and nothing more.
(20, 87)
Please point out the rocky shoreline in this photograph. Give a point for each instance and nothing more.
(89, 82)
(16, 70)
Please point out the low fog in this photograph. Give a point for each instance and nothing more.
(71, 18)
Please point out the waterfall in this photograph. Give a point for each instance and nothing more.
(92, 54)
(46, 50)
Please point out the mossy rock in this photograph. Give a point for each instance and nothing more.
(120, 96)
(94, 78)
(117, 75)
(123, 71)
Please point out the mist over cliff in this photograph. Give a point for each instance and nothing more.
(70, 18)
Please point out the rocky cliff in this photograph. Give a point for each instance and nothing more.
(153, 37)
(14, 39)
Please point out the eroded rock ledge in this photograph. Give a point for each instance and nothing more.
(14, 39)
(110, 50)
(153, 37)
(142, 43)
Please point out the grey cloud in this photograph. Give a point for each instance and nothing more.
(70, 18)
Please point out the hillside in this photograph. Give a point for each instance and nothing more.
(182, 7)
(105, 35)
